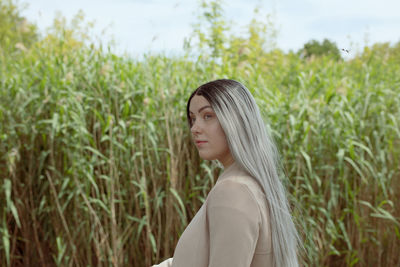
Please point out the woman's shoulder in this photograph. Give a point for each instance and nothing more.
(252, 184)
(233, 192)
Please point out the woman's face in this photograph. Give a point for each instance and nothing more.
(206, 127)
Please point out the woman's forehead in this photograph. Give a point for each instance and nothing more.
(198, 102)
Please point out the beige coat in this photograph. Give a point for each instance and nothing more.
(231, 229)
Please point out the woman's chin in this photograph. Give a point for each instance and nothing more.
(205, 156)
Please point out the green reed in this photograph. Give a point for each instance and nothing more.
(97, 165)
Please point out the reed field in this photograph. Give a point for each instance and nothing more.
(97, 165)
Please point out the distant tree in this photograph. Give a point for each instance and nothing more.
(316, 48)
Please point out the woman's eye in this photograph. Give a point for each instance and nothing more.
(192, 119)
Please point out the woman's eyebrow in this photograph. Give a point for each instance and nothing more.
(201, 109)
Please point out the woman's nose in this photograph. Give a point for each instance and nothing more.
(195, 127)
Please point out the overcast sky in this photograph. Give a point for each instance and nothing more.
(138, 26)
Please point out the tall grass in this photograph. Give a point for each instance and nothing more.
(97, 167)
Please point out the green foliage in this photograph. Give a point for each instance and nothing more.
(219, 40)
(315, 48)
(15, 31)
(97, 166)
(215, 37)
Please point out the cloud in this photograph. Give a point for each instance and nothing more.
(340, 25)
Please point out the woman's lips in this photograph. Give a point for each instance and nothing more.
(200, 143)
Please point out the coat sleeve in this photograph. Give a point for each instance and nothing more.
(166, 263)
(234, 222)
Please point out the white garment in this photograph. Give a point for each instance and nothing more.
(166, 263)
(231, 229)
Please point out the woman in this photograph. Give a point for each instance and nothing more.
(245, 220)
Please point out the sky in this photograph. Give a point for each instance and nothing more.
(139, 26)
